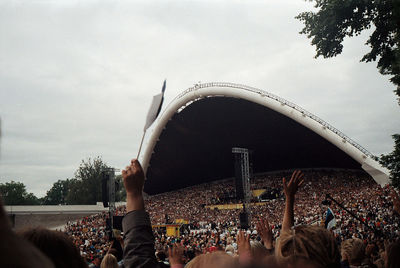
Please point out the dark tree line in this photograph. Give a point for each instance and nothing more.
(14, 193)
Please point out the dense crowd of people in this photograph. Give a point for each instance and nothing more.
(293, 223)
(215, 229)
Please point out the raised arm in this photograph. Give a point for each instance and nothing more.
(138, 235)
(265, 232)
(290, 190)
(244, 248)
(133, 178)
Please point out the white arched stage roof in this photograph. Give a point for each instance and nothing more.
(203, 108)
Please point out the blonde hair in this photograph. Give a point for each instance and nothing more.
(109, 261)
(354, 249)
(258, 250)
(212, 260)
(312, 244)
(230, 250)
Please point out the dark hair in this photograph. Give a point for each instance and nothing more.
(393, 255)
(161, 255)
(55, 245)
(16, 252)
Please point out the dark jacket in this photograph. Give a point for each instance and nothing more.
(138, 240)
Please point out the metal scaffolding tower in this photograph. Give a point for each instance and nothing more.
(242, 155)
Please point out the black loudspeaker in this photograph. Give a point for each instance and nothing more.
(244, 220)
(238, 177)
(117, 222)
(104, 188)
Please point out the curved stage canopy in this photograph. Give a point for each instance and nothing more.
(192, 140)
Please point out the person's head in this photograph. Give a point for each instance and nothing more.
(161, 256)
(353, 250)
(258, 250)
(216, 259)
(308, 244)
(55, 245)
(117, 254)
(392, 259)
(230, 250)
(109, 261)
(15, 251)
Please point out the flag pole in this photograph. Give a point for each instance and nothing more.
(328, 196)
(141, 143)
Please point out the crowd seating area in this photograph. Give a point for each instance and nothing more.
(210, 230)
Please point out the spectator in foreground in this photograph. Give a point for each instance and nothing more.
(139, 239)
(109, 261)
(55, 245)
(392, 258)
(212, 260)
(353, 254)
(304, 245)
(16, 252)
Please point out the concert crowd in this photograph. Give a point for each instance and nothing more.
(292, 228)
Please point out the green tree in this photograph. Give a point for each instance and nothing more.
(86, 188)
(57, 193)
(14, 193)
(76, 193)
(31, 199)
(336, 19)
(392, 162)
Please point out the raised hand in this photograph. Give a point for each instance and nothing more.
(244, 248)
(133, 177)
(290, 190)
(243, 242)
(175, 254)
(265, 232)
(295, 182)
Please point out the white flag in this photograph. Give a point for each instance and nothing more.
(155, 107)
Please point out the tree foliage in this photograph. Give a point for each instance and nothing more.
(85, 188)
(14, 193)
(58, 193)
(392, 162)
(336, 19)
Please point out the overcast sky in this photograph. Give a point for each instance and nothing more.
(77, 77)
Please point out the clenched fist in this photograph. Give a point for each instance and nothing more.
(133, 177)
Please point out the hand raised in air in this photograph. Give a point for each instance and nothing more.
(133, 177)
(265, 232)
(295, 182)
